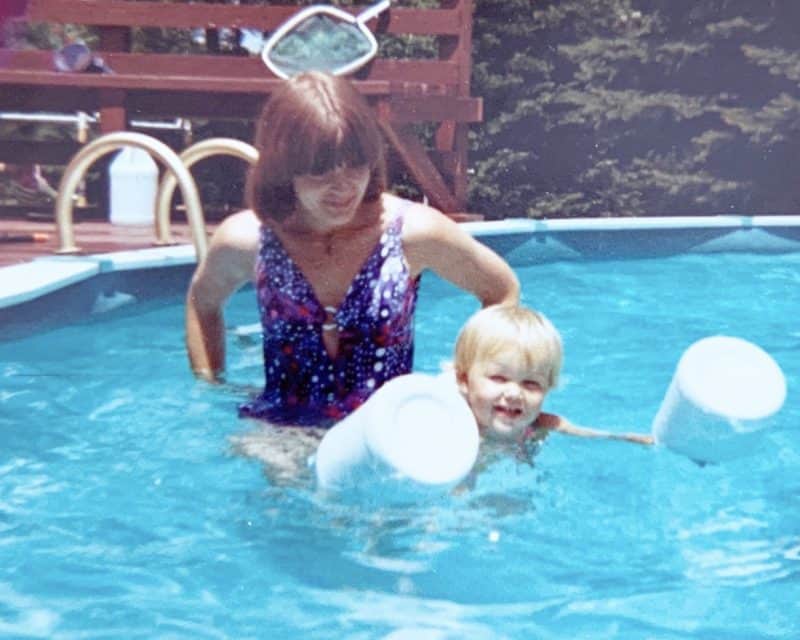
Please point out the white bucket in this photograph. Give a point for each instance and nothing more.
(723, 392)
(414, 428)
(133, 182)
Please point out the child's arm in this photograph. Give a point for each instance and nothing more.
(552, 422)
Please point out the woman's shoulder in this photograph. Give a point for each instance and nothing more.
(239, 231)
(234, 246)
(420, 221)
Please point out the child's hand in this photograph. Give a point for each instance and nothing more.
(552, 422)
(638, 438)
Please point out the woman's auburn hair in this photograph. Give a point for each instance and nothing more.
(314, 123)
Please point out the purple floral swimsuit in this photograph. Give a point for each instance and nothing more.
(304, 385)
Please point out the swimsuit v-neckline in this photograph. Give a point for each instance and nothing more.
(304, 383)
(321, 309)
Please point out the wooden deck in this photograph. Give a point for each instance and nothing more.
(39, 238)
(91, 236)
(433, 90)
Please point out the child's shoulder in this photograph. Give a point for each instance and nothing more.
(547, 421)
(542, 426)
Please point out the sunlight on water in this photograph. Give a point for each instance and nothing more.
(125, 512)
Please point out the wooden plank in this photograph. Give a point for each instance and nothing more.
(429, 72)
(155, 81)
(408, 109)
(29, 59)
(422, 169)
(205, 15)
(431, 22)
(453, 135)
(223, 86)
(444, 160)
(91, 236)
(157, 14)
(459, 50)
(459, 175)
(446, 136)
(171, 64)
(168, 94)
(113, 113)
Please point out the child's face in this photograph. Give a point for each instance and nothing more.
(505, 394)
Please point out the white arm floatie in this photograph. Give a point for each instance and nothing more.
(416, 428)
(723, 391)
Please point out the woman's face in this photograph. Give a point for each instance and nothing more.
(330, 200)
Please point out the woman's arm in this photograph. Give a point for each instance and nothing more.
(227, 266)
(552, 422)
(431, 240)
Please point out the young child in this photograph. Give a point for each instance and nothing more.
(507, 359)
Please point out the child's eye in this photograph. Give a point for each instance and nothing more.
(532, 385)
(498, 378)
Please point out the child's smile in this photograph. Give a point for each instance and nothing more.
(508, 412)
(505, 395)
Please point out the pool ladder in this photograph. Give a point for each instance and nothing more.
(176, 176)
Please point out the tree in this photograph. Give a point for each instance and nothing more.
(618, 107)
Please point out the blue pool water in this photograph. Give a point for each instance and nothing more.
(125, 513)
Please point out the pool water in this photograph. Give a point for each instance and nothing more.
(125, 513)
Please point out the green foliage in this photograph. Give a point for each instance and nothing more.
(163, 40)
(635, 107)
(603, 107)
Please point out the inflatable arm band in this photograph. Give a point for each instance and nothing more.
(723, 391)
(416, 427)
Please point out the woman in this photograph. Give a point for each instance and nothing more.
(336, 259)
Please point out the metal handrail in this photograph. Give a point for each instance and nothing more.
(190, 156)
(80, 163)
(82, 120)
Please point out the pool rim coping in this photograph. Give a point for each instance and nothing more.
(26, 281)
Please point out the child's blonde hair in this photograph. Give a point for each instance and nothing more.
(508, 327)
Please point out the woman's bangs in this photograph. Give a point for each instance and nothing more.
(345, 152)
(329, 148)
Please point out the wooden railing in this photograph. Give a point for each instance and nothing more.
(405, 92)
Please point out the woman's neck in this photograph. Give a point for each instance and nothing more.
(297, 227)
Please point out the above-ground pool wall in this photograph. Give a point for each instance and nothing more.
(52, 292)
(524, 242)
(100, 294)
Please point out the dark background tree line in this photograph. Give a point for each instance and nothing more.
(607, 107)
(636, 107)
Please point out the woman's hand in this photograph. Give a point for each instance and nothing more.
(433, 241)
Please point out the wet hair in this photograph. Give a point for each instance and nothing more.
(501, 328)
(314, 123)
